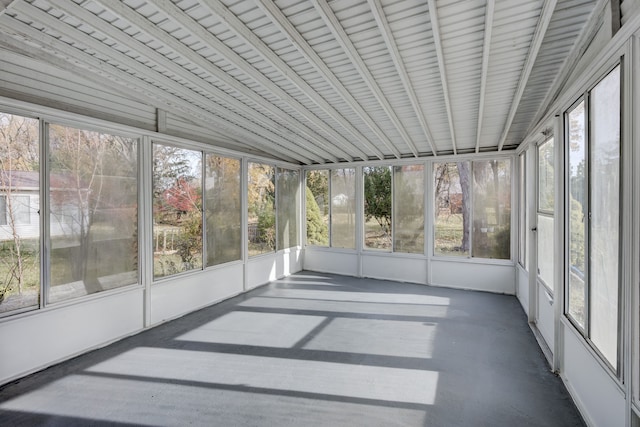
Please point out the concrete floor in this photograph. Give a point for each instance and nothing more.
(312, 350)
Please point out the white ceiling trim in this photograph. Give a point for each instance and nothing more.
(486, 52)
(435, 27)
(543, 23)
(392, 47)
(341, 37)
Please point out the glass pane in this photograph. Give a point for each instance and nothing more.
(19, 204)
(343, 208)
(377, 207)
(545, 250)
(261, 209)
(452, 208)
(177, 210)
(223, 209)
(317, 205)
(408, 208)
(491, 209)
(577, 214)
(288, 207)
(94, 212)
(546, 187)
(605, 216)
(523, 228)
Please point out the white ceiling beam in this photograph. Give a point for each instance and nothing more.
(224, 51)
(570, 62)
(341, 36)
(541, 29)
(282, 23)
(435, 28)
(486, 52)
(392, 47)
(88, 62)
(129, 15)
(5, 4)
(125, 40)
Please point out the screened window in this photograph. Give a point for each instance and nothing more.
(93, 195)
(288, 195)
(261, 209)
(177, 210)
(522, 209)
(408, 209)
(317, 207)
(223, 211)
(377, 207)
(594, 220)
(343, 213)
(452, 208)
(19, 236)
(545, 214)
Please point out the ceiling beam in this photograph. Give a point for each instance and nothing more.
(486, 52)
(343, 39)
(392, 47)
(86, 61)
(125, 40)
(282, 23)
(435, 28)
(224, 51)
(541, 29)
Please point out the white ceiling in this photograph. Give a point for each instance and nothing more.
(313, 81)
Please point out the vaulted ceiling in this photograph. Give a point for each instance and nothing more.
(312, 81)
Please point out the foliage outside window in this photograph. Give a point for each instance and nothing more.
(377, 207)
(261, 209)
(594, 220)
(19, 204)
(481, 229)
(288, 195)
(317, 207)
(177, 210)
(223, 210)
(343, 213)
(93, 198)
(408, 209)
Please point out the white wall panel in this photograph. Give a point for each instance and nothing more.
(599, 398)
(260, 270)
(185, 293)
(40, 339)
(288, 262)
(545, 318)
(331, 261)
(498, 278)
(385, 266)
(522, 288)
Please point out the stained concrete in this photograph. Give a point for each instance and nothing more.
(312, 350)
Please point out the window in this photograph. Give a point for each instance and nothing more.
(377, 207)
(343, 212)
(261, 209)
(177, 210)
(19, 192)
(408, 209)
(545, 213)
(523, 228)
(93, 196)
(288, 196)
(223, 210)
(594, 218)
(317, 207)
(472, 209)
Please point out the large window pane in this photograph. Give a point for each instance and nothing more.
(343, 203)
(317, 206)
(93, 197)
(177, 210)
(408, 208)
(546, 192)
(546, 256)
(19, 204)
(261, 209)
(577, 213)
(523, 228)
(288, 194)
(377, 207)
(605, 216)
(223, 209)
(452, 208)
(491, 209)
